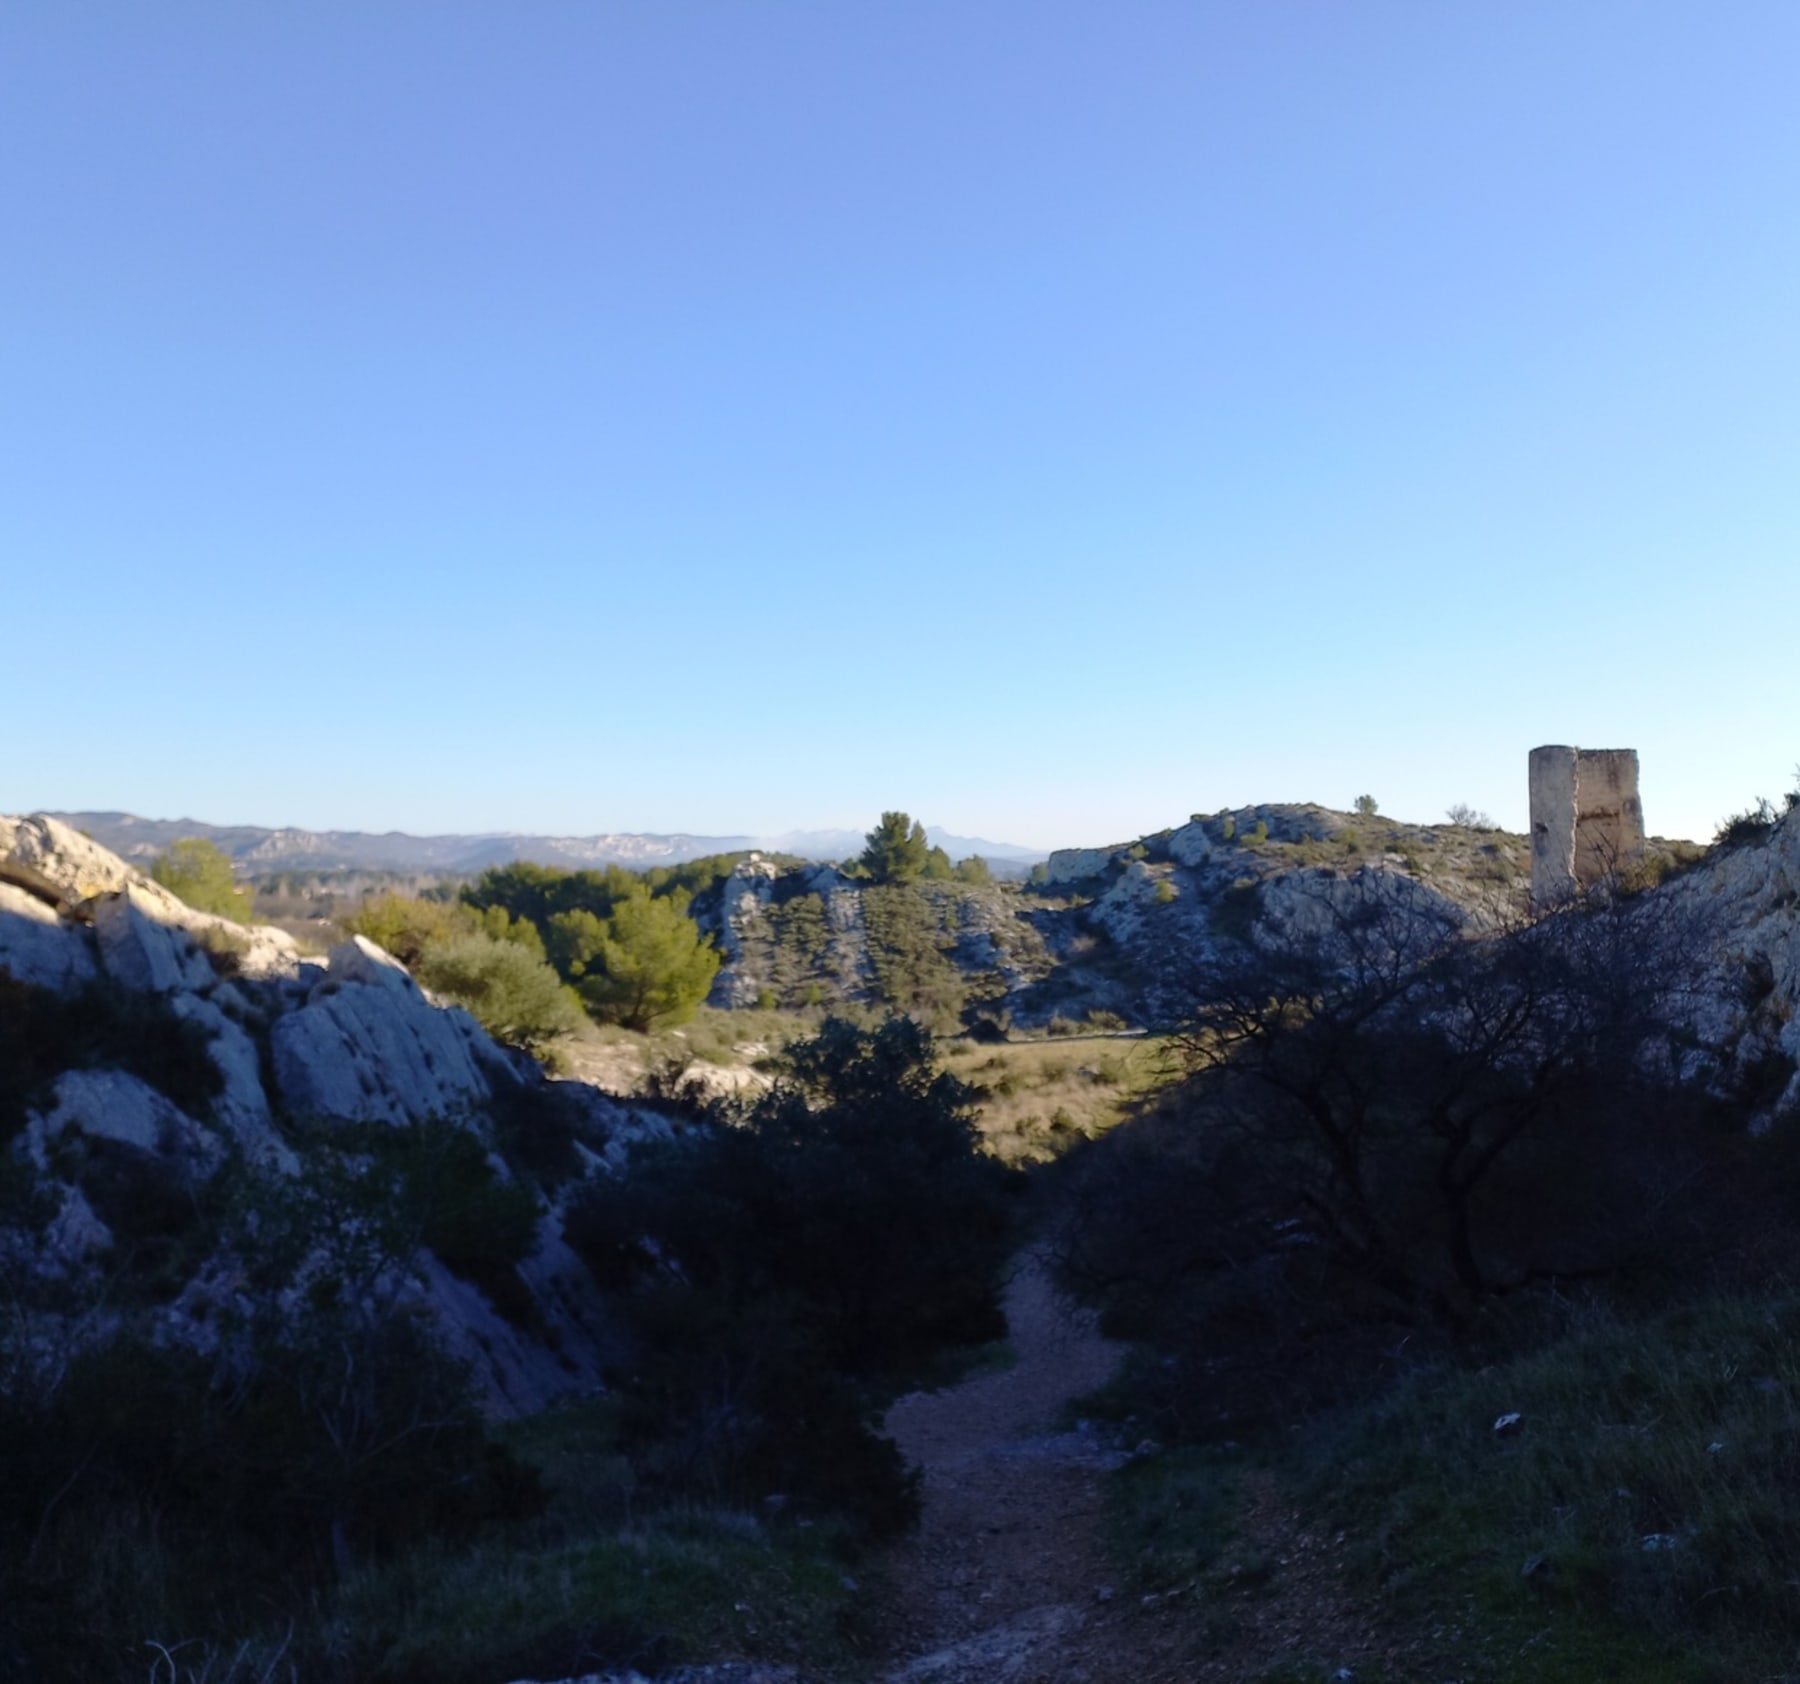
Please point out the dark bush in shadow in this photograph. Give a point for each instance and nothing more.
(779, 1270)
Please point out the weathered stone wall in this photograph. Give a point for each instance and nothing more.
(1586, 819)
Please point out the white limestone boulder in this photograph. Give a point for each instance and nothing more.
(370, 1047)
(115, 1105)
(241, 1108)
(79, 867)
(1075, 865)
(1743, 904)
(1137, 895)
(143, 947)
(73, 1236)
(743, 896)
(1312, 907)
(1190, 845)
(39, 947)
(148, 938)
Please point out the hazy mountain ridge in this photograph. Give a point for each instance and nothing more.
(256, 848)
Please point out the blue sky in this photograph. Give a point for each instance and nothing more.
(1048, 419)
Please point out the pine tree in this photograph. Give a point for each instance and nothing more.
(897, 850)
(653, 965)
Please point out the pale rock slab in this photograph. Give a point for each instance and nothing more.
(1074, 865)
(79, 868)
(114, 1105)
(39, 947)
(370, 1047)
(1746, 901)
(743, 896)
(1190, 845)
(1309, 908)
(143, 949)
(242, 1108)
(74, 1235)
(1121, 911)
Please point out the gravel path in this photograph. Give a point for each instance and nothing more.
(1005, 1578)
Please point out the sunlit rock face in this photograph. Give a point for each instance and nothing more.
(1744, 996)
(369, 1047)
(302, 1048)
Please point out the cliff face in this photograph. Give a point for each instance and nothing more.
(185, 1055)
(1744, 900)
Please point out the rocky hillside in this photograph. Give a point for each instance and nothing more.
(164, 1070)
(1095, 928)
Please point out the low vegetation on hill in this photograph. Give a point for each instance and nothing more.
(265, 1326)
(1458, 1236)
(1469, 1247)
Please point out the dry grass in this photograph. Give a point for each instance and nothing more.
(1040, 1097)
(1037, 1097)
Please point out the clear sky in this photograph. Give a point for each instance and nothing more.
(1050, 419)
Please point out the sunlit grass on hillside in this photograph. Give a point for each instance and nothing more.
(1035, 1098)
(1039, 1097)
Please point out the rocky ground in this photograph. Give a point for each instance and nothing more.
(1007, 1580)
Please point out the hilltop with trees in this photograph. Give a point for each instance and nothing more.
(298, 1260)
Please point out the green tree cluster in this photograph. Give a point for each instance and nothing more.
(528, 947)
(199, 873)
(652, 965)
(484, 959)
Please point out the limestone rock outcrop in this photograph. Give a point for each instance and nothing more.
(41, 947)
(368, 1051)
(1077, 865)
(1744, 905)
(79, 868)
(113, 1105)
(300, 1047)
(1312, 908)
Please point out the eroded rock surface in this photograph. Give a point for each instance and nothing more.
(301, 1048)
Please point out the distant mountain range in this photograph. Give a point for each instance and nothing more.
(255, 849)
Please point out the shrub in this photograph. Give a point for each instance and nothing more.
(405, 925)
(1748, 829)
(199, 872)
(152, 1483)
(516, 998)
(910, 952)
(897, 850)
(842, 1232)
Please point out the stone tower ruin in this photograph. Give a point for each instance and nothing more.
(1586, 819)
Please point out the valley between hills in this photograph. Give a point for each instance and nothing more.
(1266, 1249)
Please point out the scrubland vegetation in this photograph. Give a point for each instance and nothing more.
(310, 1490)
(1460, 1247)
(1429, 1235)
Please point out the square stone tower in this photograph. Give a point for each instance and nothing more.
(1586, 819)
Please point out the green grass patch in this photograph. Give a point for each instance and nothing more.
(1172, 1521)
(1643, 1521)
(682, 1586)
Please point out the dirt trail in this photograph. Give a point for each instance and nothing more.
(1006, 1578)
